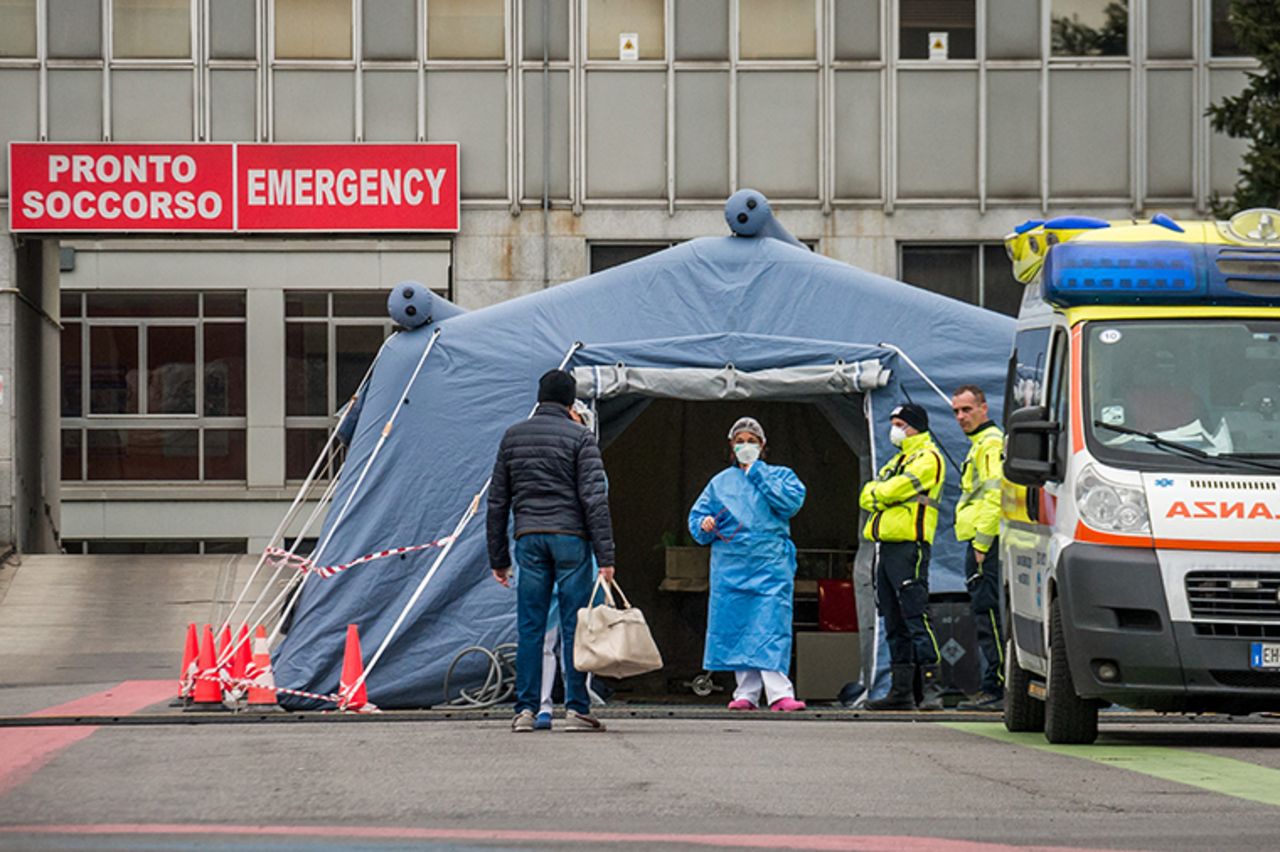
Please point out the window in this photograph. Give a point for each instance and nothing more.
(313, 29)
(1224, 36)
(17, 28)
(153, 386)
(144, 546)
(777, 29)
(936, 29)
(979, 274)
(74, 29)
(604, 256)
(607, 20)
(1031, 353)
(466, 29)
(151, 29)
(1090, 27)
(330, 341)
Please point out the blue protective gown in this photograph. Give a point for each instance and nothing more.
(753, 566)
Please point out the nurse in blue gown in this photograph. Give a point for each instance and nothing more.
(745, 514)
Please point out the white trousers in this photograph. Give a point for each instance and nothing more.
(550, 660)
(775, 685)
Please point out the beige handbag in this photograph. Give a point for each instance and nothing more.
(613, 642)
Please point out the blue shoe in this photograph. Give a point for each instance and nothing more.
(542, 722)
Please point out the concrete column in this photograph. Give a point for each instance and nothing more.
(8, 483)
(264, 355)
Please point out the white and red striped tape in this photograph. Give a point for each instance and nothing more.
(281, 556)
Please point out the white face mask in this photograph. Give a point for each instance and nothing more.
(746, 452)
(897, 435)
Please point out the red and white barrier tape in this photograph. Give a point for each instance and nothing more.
(280, 556)
(245, 683)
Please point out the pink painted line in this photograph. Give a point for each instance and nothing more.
(121, 700)
(24, 750)
(816, 842)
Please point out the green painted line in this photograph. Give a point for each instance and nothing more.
(1224, 775)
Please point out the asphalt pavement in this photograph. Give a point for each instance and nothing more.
(673, 783)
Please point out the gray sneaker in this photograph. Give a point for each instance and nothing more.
(983, 702)
(575, 721)
(523, 722)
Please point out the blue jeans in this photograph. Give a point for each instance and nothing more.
(550, 561)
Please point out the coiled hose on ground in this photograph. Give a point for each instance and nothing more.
(499, 682)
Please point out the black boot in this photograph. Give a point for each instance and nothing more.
(900, 695)
(931, 676)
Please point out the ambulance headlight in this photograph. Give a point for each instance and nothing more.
(1110, 507)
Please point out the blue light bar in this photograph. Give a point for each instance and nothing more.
(1159, 273)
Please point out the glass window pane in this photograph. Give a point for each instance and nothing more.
(1013, 29)
(1001, 291)
(171, 370)
(224, 304)
(143, 547)
(303, 304)
(307, 365)
(151, 105)
(777, 29)
(470, 108)
(301, 448)
(75, 104)
(113, 370)
(949, 270)
(702, 30)
(702, 134)
(315, 106)
(372, 304)
(150, 454)
(466, 29)
(313, 29)
(143, 304)
(151, 29)
(1224, 36)
(18, 28)
(75, 29)
(626, 148)
(920, 22)
(387, 29)
(608, 255)
(390, 106)
(232, 29)
(224, 454)
(72, 440)
(558, 127)
(69, 304)
(224, 378)
(778, 111)
(1090, 27)
(357, 345)
(1088, 157)
(608, 19)
(226, 545)
(1169, 33)
(72, 404)
(233, 105)
(557, 46)
(857, 27)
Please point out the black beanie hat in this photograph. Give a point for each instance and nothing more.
(557, 386)
(913, 415)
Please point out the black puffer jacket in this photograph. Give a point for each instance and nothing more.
(550, 473)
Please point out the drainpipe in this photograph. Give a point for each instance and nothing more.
(546, 143)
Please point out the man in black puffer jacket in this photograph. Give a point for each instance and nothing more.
(550, 473)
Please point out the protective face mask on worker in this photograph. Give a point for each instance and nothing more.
(897, 435)
(747, 452)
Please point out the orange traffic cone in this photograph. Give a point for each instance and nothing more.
(356, 701)
(262, 693)
(207, 694)
(187, 674)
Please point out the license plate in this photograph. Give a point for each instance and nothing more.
(1264, 655)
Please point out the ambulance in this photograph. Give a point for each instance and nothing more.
(1140, 535)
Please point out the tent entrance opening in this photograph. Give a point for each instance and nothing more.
(659, 465)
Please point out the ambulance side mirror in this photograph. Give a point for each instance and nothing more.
(1031, 437)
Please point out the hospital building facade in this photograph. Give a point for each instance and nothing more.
(165, 391)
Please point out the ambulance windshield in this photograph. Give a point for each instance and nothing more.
(1209, 384)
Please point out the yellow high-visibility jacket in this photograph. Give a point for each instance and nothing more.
(978, 512)
(903, 500)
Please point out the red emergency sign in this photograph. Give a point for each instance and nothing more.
(233, 188)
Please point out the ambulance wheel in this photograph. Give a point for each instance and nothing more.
(1021, 711)
(1068, 718)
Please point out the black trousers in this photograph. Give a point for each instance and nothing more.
(983, 581)
(902, 595)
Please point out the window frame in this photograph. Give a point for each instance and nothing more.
(88, 421)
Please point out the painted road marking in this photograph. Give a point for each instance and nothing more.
(814, 842)
(24, 750)
(1224, 775)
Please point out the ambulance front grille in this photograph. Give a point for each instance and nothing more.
(1235, 484)
(1246, 680)
(1249, 595)
(1232, 630)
